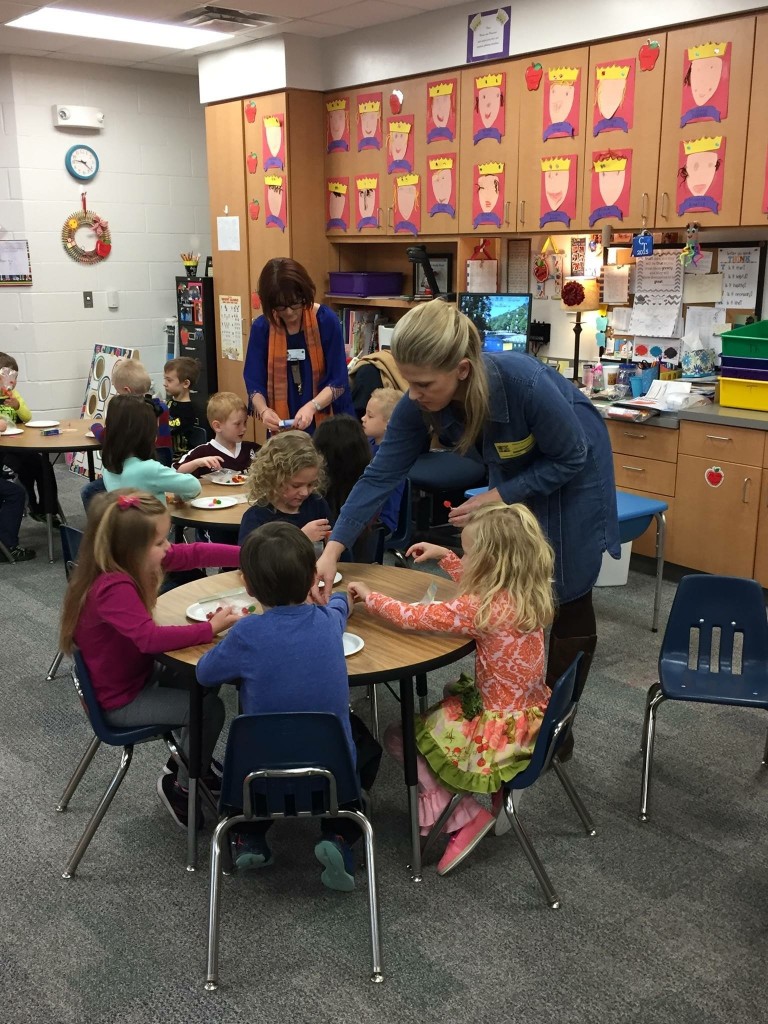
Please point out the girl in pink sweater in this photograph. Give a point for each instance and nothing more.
(483, 733)
(107, 613)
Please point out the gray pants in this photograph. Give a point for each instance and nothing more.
(165, 701)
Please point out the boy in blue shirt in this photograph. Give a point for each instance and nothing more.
(291, 658)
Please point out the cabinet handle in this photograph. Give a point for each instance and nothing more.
(639, 437)
(633, 469)
(507, 205)
(390, 211)
(521, 211)
(665, 205)
(717, 437)
(644, 206)
(746, 489)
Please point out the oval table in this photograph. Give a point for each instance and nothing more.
(71, 439)
(390, 654)
(225, 519)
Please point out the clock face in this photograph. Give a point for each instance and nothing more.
(82, 162)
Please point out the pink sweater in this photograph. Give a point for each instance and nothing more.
(117, 635)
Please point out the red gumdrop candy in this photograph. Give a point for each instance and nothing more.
(244, 610)
(447, 504)
(209, 615)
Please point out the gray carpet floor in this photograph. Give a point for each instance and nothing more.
(659, 922)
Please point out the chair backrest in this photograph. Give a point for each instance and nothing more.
(559, 714)
(717, 626)
(70, 545)
(196, 436)
(285, 742)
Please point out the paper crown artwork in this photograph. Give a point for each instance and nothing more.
(366, 182)
(563, 74)
(440, 163)
(614, 72)
(336, 105)
(442, 89)
(703, 145)
(610, 162)
(273, 179)
(369, 106)
(556, 163)
(272, 121)
(487, 81)
(407, 179)
(337, 186)
(706, 50)
(492, 168)
(400, 126)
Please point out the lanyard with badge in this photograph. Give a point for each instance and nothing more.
(296, 357)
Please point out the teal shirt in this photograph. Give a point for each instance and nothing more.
(154, 477)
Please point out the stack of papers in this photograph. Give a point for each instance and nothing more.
(667, 396)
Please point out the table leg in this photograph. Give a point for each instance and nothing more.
(410, 772)
(45, 498)
(661, 527)
(91, 466)
(421, 693)
(195, 730)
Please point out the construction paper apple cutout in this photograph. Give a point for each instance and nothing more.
(533, 75)
(252, 162)
(649, 54)
(540, 271)
(714, 476)
(103, 249)
(255, 300)
(396, 101)
(254, 209)
(250, 112)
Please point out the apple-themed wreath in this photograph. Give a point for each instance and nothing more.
(86, 218)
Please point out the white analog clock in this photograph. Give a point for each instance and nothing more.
(82, 162)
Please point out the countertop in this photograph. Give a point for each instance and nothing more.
(705, 414)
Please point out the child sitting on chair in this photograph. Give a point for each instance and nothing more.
(378, 411)
(179, 378)
(228, 416)
(291, 658)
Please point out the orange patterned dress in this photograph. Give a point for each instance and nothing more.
(478, 750)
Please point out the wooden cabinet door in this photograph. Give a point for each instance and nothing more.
(438, 116)
(757, 137)
(547, 208)
(364, 171)
(413, 114)
(263, 188)
(622, 124)
(760, 571)
(306, 189)
(486, 162)
(720, 521)
(675, 204)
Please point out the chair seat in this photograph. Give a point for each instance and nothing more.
(446, 471)
(117, 737)
(635, 514)
(749, 690)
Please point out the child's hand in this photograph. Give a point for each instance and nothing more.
(223, 619)
(317, 530)
(423, 552)
(3, 424)
(13, 402)
(358, 591)
(213, 462)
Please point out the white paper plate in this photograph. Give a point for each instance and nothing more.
(200, 610)
(11, 432)
(213, 504)
(336, 579)
(42, 423)
(225, 478)
(352, 644)
(89, 433)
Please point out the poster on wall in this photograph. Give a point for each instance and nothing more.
(562, 99)
(441, 110)
(700, 177)
(441, 184)
(488, 115)
(558, 189)
(611, 183)
(400, 143)
(231, 324)
(614, 109)
(488, 34)
(273, 142)
(98, 390)
(368, 201)
(368, 121)
(407, 205)
(706, 81)
(488, 195)
(337, 204)
(275, 201)
(337, 125)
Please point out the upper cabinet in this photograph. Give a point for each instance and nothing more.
(754, 205)
(553, 128)
(624, 97)
(704, 124)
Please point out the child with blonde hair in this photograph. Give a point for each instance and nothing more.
(483, 733)
(283, 482)
(378, 411)
(228, 416)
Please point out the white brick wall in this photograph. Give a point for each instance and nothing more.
(152, 188)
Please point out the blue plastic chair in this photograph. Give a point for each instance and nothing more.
(115, 737)
(557, 720)
(287, 766)
(714, 651)
(70, 545)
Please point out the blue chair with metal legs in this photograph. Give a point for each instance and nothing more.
(555, 725)
(115, 737)
(714, 651)
(282, 766)
(70, 545)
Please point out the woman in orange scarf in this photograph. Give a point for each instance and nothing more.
(295, 367)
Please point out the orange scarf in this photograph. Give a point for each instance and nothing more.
(277, 364)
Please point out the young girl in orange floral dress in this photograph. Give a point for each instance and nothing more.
(483, 733)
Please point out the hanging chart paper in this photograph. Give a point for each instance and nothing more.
(699, 329)
(658, 295)
(739, 267)
(231, 331)
(615, 285)
(703, 288)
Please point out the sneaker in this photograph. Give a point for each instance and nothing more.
(175, 801)
(41, 517)
(463, 842)
(337, 858)
(20, 554)
(249, 851)
(212, 777)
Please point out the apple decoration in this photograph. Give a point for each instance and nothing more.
(396, 101)
(540, 271)
(254, 209)
(649, 54)
(714, 476)
(252, 162)
(533, 75)
(250, 111)
(255, 300)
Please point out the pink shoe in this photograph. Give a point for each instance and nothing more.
(463, 842)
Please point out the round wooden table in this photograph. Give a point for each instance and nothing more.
(227, 519)
(71, 439)
(389, 654)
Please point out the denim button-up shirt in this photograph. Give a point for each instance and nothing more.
(544, 444)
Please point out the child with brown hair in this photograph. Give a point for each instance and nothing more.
(179, 378)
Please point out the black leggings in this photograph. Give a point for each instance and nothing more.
(575, 618)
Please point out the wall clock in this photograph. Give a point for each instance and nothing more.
(82, 162)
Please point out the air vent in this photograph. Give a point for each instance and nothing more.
(225, 19)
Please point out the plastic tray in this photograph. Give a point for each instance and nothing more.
(750, 341)
(365, 284)
(744, 394)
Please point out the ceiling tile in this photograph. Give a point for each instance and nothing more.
(372, 12)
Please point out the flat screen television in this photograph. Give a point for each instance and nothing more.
(502, 320)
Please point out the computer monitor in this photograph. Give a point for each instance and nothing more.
(502, 320)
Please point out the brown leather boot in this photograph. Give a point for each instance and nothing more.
(562, 651)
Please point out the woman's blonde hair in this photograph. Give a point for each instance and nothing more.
(437, 335)
(121, 528)
(282, 457)
(511, 556)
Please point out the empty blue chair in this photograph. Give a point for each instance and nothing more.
(557, 720)
(70, 545)
(635, 514)
(294, 765)
(714, 651)
(115, 737)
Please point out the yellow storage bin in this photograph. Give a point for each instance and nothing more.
(744, 394)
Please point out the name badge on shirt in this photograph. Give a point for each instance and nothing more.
(296, 355)
(514, 449)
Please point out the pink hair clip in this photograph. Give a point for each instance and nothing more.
(128, 501)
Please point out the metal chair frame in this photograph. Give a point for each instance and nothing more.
(70, 562)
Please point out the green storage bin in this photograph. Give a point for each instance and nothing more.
(751, 340)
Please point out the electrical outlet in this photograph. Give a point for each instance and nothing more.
(88, 300)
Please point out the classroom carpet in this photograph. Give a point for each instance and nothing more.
(659, 922)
